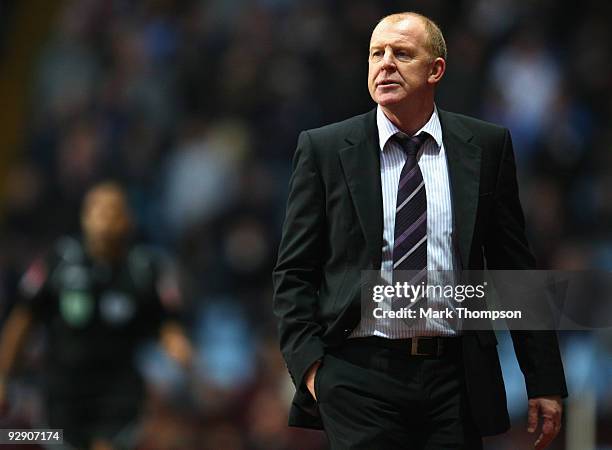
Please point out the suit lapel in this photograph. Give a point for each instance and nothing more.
(361, 165)
(464, 161)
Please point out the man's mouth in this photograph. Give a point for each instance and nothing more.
(387, 83)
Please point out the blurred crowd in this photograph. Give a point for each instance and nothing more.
(195, 107)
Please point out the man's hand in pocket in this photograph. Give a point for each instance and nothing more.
(310, 378)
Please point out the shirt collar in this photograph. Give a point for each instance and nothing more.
(387, 129)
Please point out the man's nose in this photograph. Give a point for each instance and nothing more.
(388, 61)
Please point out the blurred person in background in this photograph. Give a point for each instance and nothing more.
(98, 297)
(406, 186)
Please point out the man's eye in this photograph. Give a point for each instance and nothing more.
(402, 55)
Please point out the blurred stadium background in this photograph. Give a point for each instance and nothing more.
(196, 105)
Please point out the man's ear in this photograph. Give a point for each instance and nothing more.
(437, 70)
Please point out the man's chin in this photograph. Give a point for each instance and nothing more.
(389, 101)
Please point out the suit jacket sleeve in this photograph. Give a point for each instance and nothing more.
(506, 247)
(297, 275)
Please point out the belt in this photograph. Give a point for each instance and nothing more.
(423, 346)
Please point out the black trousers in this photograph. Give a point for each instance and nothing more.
(376, 398)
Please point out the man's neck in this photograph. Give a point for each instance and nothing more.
(411, 118)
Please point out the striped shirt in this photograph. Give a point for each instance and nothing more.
(440, 252)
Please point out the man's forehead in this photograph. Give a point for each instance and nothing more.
(408, 29)
(393, 40)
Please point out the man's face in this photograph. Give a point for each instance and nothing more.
(399, 64)
(106, 217)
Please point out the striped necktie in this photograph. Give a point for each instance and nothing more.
(410, 246)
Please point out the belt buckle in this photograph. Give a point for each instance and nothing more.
(414, 344)
(414, 351)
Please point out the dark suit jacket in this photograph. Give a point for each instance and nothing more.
(333, 229)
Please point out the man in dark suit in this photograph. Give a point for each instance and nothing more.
(406, 186)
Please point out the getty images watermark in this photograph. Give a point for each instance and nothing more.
(482, 300)
(404, 292)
